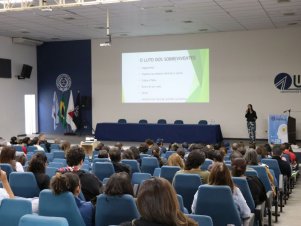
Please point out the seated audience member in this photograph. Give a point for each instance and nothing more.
(65, 146)
(284, 166)
(220, 175)
(99, 146)
(70, 182)
(150, 143)
(136, 153)
(37, 165)
(288, 150)
(252, 159)
(218, 156)
(175, 160)
(173, 147)
(14, 141)
(253, 145)
(8, 155)
(128, 154)
(181, 152)
(234, 146)
(115, 156)
(234, 155)
(193, 163)
(119, 145)
(156, 153)
(257, 188)
(34, 142)
(242, 149)
(160, 144)
(268, 149)
(261, 152)
(223, 150)
(158, 205)
(103, 154)
(90, 184)
(42, 140)
(143, 148)
(119, 184)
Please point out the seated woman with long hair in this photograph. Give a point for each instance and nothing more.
(69, 182)
(220, 175)
(8, 155)
(158, 205)
(119, 184)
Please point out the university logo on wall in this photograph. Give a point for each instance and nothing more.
(63, 82)
(287, 83)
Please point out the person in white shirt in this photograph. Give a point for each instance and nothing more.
(8, 155)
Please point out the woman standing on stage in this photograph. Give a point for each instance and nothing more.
(251, 117)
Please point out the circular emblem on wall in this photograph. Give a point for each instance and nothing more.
(63, 82)
(283, 81)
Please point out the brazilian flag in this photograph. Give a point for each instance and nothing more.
(63, 111)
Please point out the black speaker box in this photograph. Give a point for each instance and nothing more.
(86, 101)
(26, 71)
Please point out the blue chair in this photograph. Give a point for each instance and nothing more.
(86, 167)
(168, 172)
(243, 185)
(122, 120)
(137, 178)
(11, 210)
(217, 202)
(203, 122)
(133, 164)
(61, 160)
(148, 164)
(105, 180)
(110, 210)
(169, 153)
(101, 160)
(178, 122)
(29, 155)
(273, 164)
(251, 173)
(18, 148)
(202, 220)
(181, 204)
(187, 185)
(31, 148)
(287, 157)
(103, 169)
(24, 184)
(49, 156)
(142, 121)
(31, 219)
(157, 172)
(7, 168)
(55, 147)
(206, 164)
(62, 205)
(56, 164)
(162, 121)
(58, 154)
(144, 155)
(50, 171)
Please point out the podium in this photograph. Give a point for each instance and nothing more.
(89, 147)
(282, 129)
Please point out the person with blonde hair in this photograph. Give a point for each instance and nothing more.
(175, 160)
(158, 205)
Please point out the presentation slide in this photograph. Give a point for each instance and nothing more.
(180, 76)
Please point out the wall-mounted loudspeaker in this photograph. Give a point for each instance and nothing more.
(86, 102)
(26, 71)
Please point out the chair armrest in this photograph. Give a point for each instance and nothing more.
(269, 201)
(249, 221)
(281, 183)
(259, 211)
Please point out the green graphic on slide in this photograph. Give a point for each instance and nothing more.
(200, 84)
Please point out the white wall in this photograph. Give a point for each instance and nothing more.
(243, 66)
(12, 91)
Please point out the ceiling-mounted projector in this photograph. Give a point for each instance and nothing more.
(27, 41)
(108, 43)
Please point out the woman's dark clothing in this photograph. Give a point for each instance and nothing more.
(251, 117)
(257, 189)
(43, 180)
(251, 125)
(141, 222)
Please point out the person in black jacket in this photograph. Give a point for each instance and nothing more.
(251, 117)
(284, 166)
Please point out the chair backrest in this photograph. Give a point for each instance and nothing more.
(55, 146)
(31, 219)
(101, 160)
(143, 121)
(31, 148)
(181, 204)
(61, 160)
(110, 210)
(206, 164)
(168, 172)
(263, 176)
(144, 155)
(137, 178)
(133, 164)
(202, 220)
(62, 205)
(49, 156)
(7, 168)
(161, 121)
(51, 171)
(217, 202)
(273, 164)
(122, 120)
(157, 172)
(178, 122)
(56, 164)
(11, 210)
(203, 122)
(18, 148)
(148, 164)
(169, 153)
(24, 184)
(243, 185)
(103, 169)
(186, 185)
(58, 154)
(251, 172)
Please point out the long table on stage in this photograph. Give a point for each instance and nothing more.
(191, 133)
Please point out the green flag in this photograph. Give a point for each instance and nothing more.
(63, 111)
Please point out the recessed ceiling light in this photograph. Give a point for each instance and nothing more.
(289, 14)
(187, 21)
(169, 11)
(203, 29)
(283, 1)
(291, 24)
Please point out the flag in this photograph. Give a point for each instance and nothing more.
(77, 112)
(63, 111)
(55, 111)
(70, 113)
